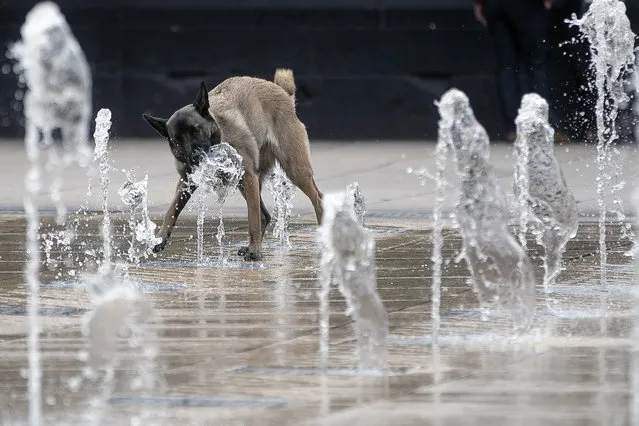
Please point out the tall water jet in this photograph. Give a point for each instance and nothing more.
(348, 256)
(56, 73)
(501, 272)
(612, 44)
(101, 155)
(199, 202)
(219, 171)
(354, 193)
(441, 154)
(283, 192)
(424, 176)
(545, 202)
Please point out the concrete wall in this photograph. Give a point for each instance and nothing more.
(366, 69)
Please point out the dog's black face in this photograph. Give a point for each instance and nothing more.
(191, 130)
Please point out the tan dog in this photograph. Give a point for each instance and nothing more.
(257, 118)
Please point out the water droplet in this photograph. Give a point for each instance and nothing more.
(74, 384)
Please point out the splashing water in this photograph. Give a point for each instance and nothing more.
(220, 171)
(612, 43)
(101, 154)
(135, 196)
(441, 154)
(349, 256)
(59, 239)
(283, 192)
(544, 199)
(354, 193)
(52, 64)
(118, 311)
(502, 274)
(199, 202)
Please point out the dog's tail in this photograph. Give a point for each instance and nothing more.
(284, 78)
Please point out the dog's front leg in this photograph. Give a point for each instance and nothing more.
(183, 193)
(252, 194)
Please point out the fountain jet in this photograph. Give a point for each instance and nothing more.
(545, 202)
(219, 172)
(54, 68)
(502, 274)
(612, 43)
(348, 258)
(283, 192)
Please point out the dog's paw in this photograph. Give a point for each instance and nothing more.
(252, 256)
(159, 247)
(243, 251)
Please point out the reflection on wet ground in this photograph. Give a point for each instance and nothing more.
(238, 343)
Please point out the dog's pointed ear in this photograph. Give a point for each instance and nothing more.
(159, 124)
(201, 102)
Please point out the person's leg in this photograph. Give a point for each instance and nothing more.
(531, 22)
(503, 38)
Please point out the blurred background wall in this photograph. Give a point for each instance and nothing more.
(365, 69)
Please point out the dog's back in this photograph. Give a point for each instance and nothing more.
(257, 117)
(247, 94)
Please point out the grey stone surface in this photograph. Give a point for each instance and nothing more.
(239, 345)
(379, 167)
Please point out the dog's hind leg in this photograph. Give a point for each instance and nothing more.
(183, 193)
(266, 216)
(294, 157)
(306, 183)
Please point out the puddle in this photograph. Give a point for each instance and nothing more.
(318, 372)
(198, 402)
(375, 230)
(593, 289)
(208, 263)
(273, 245)
(139, 286)
(489, 338)
(45, 311)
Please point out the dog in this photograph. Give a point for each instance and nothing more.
(257, 117)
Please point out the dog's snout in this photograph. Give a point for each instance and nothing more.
(196, 157)
(223, 176)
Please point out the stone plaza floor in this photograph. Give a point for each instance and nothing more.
(239, 345)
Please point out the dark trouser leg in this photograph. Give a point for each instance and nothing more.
(531, 22)
(503, 38)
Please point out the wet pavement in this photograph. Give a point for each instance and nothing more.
(239, 345)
